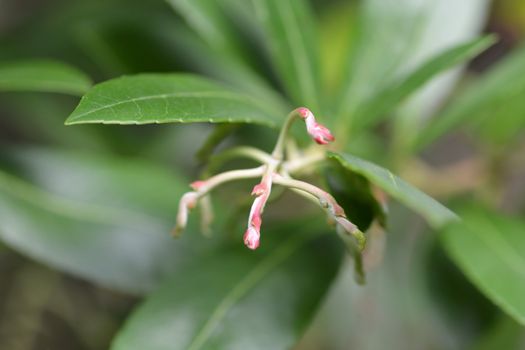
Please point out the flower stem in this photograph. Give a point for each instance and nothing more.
(279, 145)
(227, 176)
(242, 151)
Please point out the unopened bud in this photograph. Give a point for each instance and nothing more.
(317, 131)
(187, 202)
(252, 238)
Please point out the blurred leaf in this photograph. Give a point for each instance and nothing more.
(103, 219)
(208, 20)
(436, 214)
(490, 249)
(465, 21)
(337, 30)
(386, 34)
(504, 122)
(42, 76)
(217, 48)
(505, 334)
(207, 61)
(291, 38)
(394, 38)
(503, 84)
(168, 98)
(386, 100)
(239, 299)
(219, 133)
(354, 193)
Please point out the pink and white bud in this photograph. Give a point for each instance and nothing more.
(186, 203)
(252, 238)
(197, 185)
(253, 232)
(259, 189)
(317, 131)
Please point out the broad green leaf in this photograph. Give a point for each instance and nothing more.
(504, 84)
(239, 299)
(169, 98)
(103, 219)
(386, 100)
(436, 214)
(490, 249)
(42, 76)
(291, 39)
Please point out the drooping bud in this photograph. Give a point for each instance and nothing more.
(187, 202)
(317, 131)
(253, 232)
(252, 238)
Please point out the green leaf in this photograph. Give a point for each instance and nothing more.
(381, 23)
(436, 214)
(490, 249)
(239, 299)
(42, 76)
(385, 101)
(354, 193)
(209, 62)
(207, 19)
(291, 38)
(169, 98)
(394, 37)
(500, 125)
(103, 219)
(502, 85)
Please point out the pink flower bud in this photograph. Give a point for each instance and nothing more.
(259, 189)
(253, 232)
(318, 132)
(197, 185)
(251, 238)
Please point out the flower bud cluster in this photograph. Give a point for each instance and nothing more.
(274, 170)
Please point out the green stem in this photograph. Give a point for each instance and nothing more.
(278, 151)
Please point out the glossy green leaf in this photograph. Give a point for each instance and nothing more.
(490, 249)
(42, 76)
(169, 98)
(436, 214)
(291, 39)
(103, 219)
(239, 299)
(504, 84)
(386, 100)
